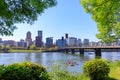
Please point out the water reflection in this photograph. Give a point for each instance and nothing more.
(46, 59)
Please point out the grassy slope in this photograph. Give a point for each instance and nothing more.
(62, 74)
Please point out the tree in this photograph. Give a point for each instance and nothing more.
(106, 14)
(2, 47)
(32, 47)
(20, 11)
(7, 47)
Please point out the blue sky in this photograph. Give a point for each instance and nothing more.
(68, 16)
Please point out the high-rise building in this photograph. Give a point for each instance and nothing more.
(86, 42)
(38, 40)
(79, 42)
(1, 40)
(61, 42)
(40, 33)
(28, 39)
(72, 41)
(66, 36)
(49, 42)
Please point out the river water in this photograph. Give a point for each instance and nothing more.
(47, 58)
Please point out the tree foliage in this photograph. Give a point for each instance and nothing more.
(32, 47)
(20, 11)
(106, 13)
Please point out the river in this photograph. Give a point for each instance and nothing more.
(47, 58)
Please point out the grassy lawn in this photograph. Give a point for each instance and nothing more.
(115, 70)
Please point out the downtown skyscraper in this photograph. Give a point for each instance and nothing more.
(38, 41)
(28, 39)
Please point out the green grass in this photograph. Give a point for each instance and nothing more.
(59, 72)
(115, 70)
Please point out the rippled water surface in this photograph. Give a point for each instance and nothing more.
(46, 59)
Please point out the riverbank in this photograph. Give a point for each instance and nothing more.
(27, 51)
(63, 74)
(24, 51)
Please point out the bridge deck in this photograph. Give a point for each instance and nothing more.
(94, 47)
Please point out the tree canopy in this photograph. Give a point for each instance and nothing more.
(20, 11)
(106, 14)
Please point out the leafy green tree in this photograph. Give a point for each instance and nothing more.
(7, 47)
(2, 46)
(32, 47)
(106, 13)
(20, 11)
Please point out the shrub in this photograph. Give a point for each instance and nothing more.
(96, 69)
(23, 71)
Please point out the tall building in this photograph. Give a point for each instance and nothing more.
(40, 33)
(72, 41)
(28, 39)
(1, 40)
(66, 37)
(49, 42)
(79, 42)
(86, 42)
(38, 40)
(61, 42)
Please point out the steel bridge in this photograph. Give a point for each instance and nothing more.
(97, 49)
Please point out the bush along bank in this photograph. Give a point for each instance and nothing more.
(23, 71)
(96, 69)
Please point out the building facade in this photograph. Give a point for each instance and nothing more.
(72, 41)
(61, 42)
(86, 42)
(21, 44)
(38, 40)
(12, 43)
(79, 42)
(49, 42)
(28, 39)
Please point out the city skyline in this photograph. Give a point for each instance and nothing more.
(55, 22)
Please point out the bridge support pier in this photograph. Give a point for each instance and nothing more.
(98, 52)
(73, 51)
(66, 50)
(81, 51)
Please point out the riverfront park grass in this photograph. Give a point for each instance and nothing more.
(24, 51)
